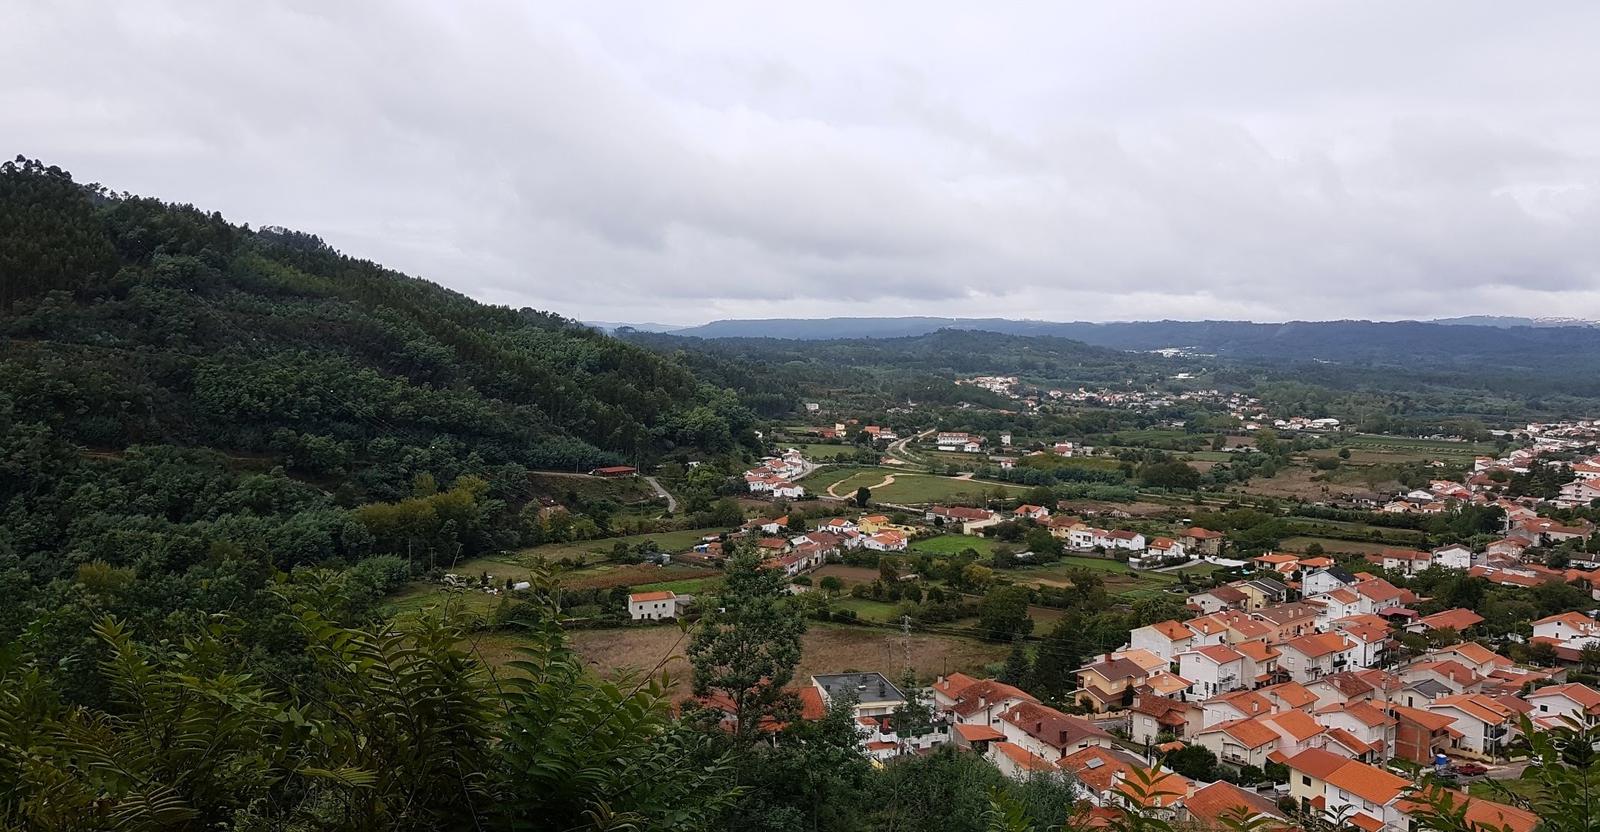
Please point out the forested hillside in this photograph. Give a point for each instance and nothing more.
(189, 407)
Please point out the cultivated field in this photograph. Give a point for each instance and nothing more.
(1331, 544)
(952, 544)
(827, 648)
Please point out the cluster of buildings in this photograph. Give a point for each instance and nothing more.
(958, 441)
(774, 476)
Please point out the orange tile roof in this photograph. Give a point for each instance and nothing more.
(1247, 702)
(1173, 630)
(1297, 724)
(1222, 798)
(1585, 696)
(1165, 789)
(1477, 654)
(1316, 762)
(1367, 822)
(953, 684)
(1024, 758)
(1477, 706)
(1219, 653)
(1248, 731)
(976, 733)
(1457, 619)
(1368, 782)
(1098, 767)
(1427, 719)
(1292, 694)
(980, 693)
(641, 597)
(1256, 651)
(1318, 644)
(1481, 813)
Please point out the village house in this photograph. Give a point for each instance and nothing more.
(965, 700)
(1213, 806)
(1404, 561)
(1123, 539)
(1452, 675)
(1030, 512)
(1572, 703)
(1309, 657)
(1108, 684)
(1460, 620)
(1151, 716)
(1239, 704)
(1164, 638)
(1420, 735)
(1288, 620)
(1454, 556)
(1262, 593)
(1367, 797)
(1202, 542)
(1164, 547)
(872, 693)
(1568, 633)
(1371, 728)
(1321, 581)
(885, 541)
(1239, 742)
(1212, 670)
(1485, 726)
(1049, 733)
(1218, 598)
(968, 520)
(653, 606)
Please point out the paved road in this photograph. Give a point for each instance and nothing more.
(672, 502)
(897, 448)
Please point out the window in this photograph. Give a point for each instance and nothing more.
(1305, 780)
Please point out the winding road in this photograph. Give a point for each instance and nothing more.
(672, 502)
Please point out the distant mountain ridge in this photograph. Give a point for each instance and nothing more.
(1453, 346)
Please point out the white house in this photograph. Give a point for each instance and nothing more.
(1212, 670)
(1553, 705)
(1164, 638)
(1309, 657)
(1325, 580)
(1486, 725)
(652, 606)
(1454, 556)
(885, 541)
(1123, 539)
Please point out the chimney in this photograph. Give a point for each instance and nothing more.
(1063, 740)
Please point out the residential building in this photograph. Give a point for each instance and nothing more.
(1555, 705)
(1212, 670)
(1320, 581)
(1202, 542)
(873, 693)
(965, 700)
(653, 606)
(1048, 732)
(1310, 657)
(1454, 556)
(1420, 735)
(1164, 638)
(1485, 725)
(1239, 742)
(1108, 684)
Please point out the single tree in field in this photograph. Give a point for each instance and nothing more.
(831, 585)
(747, 643)
(863, 496)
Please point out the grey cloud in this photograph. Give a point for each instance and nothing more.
(1110, 161)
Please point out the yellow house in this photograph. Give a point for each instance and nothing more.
(1308, 776)
(873, 523)
(1108, 684)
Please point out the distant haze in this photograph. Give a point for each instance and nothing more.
(687, 162)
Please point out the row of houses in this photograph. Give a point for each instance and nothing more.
(773, 477)
(1333, 751)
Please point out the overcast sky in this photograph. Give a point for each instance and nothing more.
(680, 162)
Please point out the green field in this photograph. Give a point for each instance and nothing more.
(866, 608)
(951, 544)
(691, 586)
(822, 452)
(668, 541)
(926, 488)
(1331, 544)
(1402, 447)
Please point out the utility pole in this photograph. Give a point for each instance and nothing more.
(905, 636)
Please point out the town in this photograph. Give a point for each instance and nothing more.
(1289, 684)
